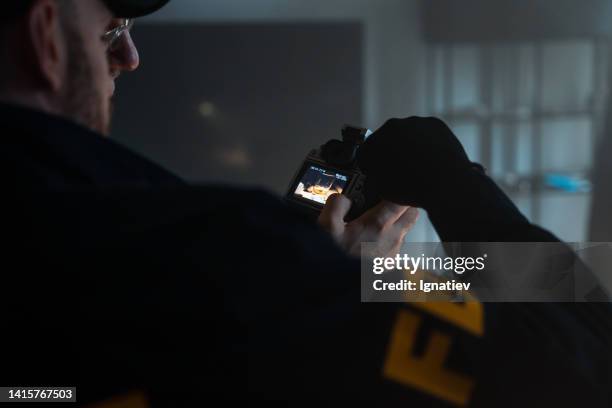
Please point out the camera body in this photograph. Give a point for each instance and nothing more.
(332, 169)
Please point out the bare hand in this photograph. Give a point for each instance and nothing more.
(386, 225)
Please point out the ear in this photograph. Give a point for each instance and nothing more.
(47, 42)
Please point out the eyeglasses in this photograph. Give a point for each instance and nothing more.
(112, 37)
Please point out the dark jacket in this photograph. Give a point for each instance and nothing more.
(121, 277)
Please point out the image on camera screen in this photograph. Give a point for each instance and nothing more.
(318, 183)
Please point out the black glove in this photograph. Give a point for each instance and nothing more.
(420, 162)
(412, 160)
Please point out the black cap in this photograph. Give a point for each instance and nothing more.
(134, 8)
(120, 8)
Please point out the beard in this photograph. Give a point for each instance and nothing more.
(82, 102)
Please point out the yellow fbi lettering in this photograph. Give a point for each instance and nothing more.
(427, 373)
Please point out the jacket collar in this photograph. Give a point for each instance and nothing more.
(65, 153)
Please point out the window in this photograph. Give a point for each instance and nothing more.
(530, 112)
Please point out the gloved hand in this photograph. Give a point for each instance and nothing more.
(420, 162)
(412, 161)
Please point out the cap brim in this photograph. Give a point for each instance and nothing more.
(134, 8)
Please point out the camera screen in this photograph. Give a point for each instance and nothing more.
(318, 183)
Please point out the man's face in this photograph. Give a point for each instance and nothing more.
(92, 67)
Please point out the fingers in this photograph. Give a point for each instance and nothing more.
(384, 214)
(407, 220)
(387, 225)
(332, 215)
(402, 226)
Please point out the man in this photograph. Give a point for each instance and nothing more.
(77, 51)
(124, 279)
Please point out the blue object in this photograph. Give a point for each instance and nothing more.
(568, 183)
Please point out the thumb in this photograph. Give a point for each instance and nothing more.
(332, 215)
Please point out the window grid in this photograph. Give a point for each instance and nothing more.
(516, 113)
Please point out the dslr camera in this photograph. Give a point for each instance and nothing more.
(332, 169)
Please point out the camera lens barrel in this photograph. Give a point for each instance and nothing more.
(339, 153)
(354, 134)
